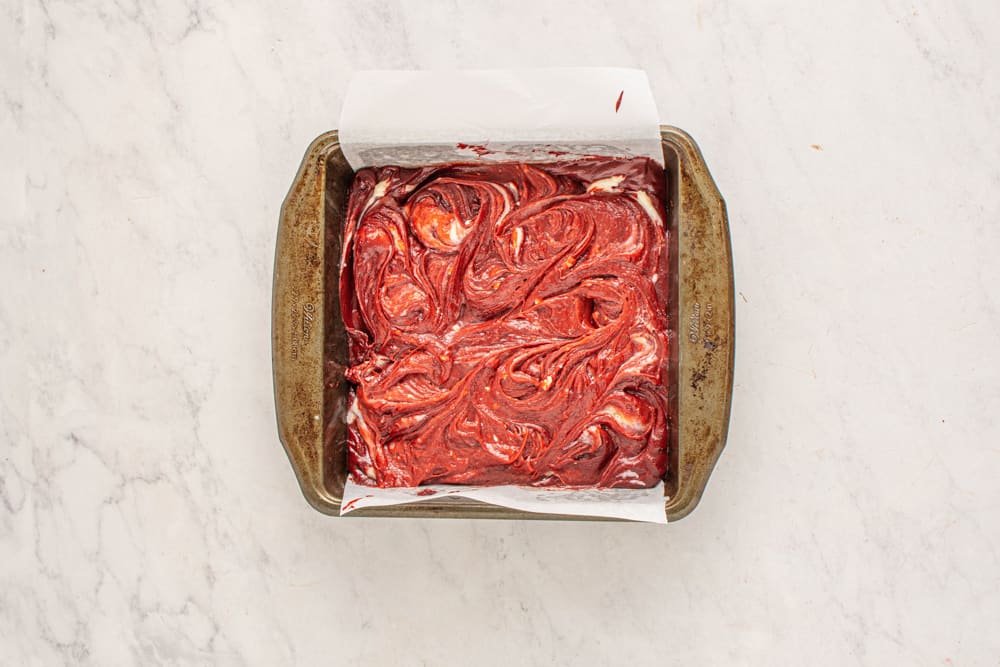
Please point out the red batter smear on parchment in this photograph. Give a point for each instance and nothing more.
(507, 324)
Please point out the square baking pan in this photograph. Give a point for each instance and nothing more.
(309, 344)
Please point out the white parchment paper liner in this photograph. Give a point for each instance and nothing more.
(540, 115)
(413, 119)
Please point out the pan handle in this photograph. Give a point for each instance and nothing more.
(297, 323)
(705, 326)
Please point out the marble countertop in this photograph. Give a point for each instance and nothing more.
(149, 514)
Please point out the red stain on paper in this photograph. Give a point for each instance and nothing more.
(618, 102)
(478, 149)
(349, 506)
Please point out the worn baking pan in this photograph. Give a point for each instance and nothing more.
(308, 341)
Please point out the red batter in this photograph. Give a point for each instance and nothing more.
(507, 324)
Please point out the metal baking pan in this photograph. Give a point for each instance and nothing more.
(308, 341)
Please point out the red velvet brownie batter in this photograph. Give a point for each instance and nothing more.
(507, 324)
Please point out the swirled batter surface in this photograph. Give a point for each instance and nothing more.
(507, 324)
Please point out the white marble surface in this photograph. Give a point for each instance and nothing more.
(149, 515)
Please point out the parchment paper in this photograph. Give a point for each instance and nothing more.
(540, 115)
